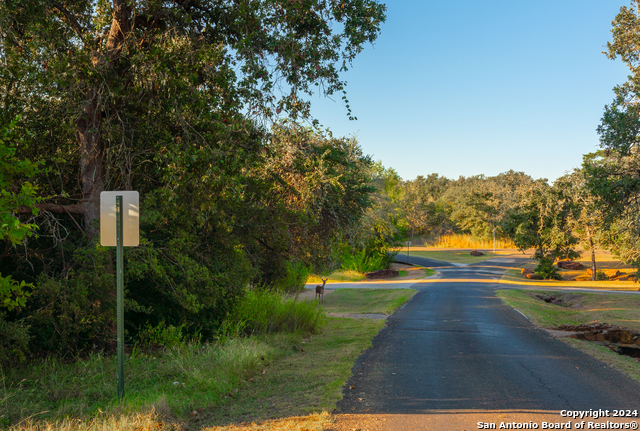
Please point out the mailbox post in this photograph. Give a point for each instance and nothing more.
(119, 227)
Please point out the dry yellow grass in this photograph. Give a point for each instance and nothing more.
(313, 422)
(467, 241)
(152, 422)
(122, 422)
(604, 262)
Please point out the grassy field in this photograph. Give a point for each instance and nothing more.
(289, 379)
(580, 308)
(364, 301)
(341, 275)
(622, 310)
(579, 278)
(457, 256)
(410, 272)
(460, 241)
(513, 276)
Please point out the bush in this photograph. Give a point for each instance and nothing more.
(546, 269)
(14, 340)
(294, 279)
(161, 335)
(600, 275)
(365, 261)
(264, 312)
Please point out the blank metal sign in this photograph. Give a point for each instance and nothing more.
(130, 218)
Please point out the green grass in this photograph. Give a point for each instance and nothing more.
(429, 272)
(342, 275)
(302, 382)
(263, 311)
(239, 380)
(450, 256)
(51, 389)
(514, 276)
(625, 364)
(622, 310)
(367, 301)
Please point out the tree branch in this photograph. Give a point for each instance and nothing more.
(54, 208)
(69, 17)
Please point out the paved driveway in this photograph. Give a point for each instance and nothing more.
(456, 356)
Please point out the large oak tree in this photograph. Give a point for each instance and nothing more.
(103, 83)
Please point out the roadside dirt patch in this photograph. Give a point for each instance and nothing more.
(413, 272)
(567, 301)
(623, 341)
(382, 274)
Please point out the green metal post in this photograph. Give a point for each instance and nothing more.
(120, 296)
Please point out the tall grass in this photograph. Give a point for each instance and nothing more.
(265, 312)
(159, 383)
(50, 394)
(360, 262)
(464, 241)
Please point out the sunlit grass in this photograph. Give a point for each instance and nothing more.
(269, 382)
(581, 308)
(514, 276)
(466, 241)
(341, 275)
(450, 256)
(383, 301)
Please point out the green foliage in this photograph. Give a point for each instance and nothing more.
(167, 336)
(74, 314)
(263, 312)
(295, 278)
(601, 276)
(15, 192)
(14, 340)
(541, 221)
(547, 270)
(161, 98)
(612, 174)
(309, 193)
(366, 260)
(12, 293)
(360, 262)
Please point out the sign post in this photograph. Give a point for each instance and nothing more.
(120, 288)
(119, 227)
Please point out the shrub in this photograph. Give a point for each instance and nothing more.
(546, 269)
(600, 275)
(294, 279)
(14, 340)
(161, 335)
(366, 262)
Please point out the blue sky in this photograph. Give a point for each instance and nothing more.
(481, 87)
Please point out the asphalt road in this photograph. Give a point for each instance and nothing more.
(457, 348)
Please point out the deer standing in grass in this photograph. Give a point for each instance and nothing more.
(320, 289)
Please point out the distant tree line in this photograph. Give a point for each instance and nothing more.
(595, 206)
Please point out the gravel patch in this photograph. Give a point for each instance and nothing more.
(359, 316)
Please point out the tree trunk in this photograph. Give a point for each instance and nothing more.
(91, 159)
(540, 250)
(593, 255)
(88, 133)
